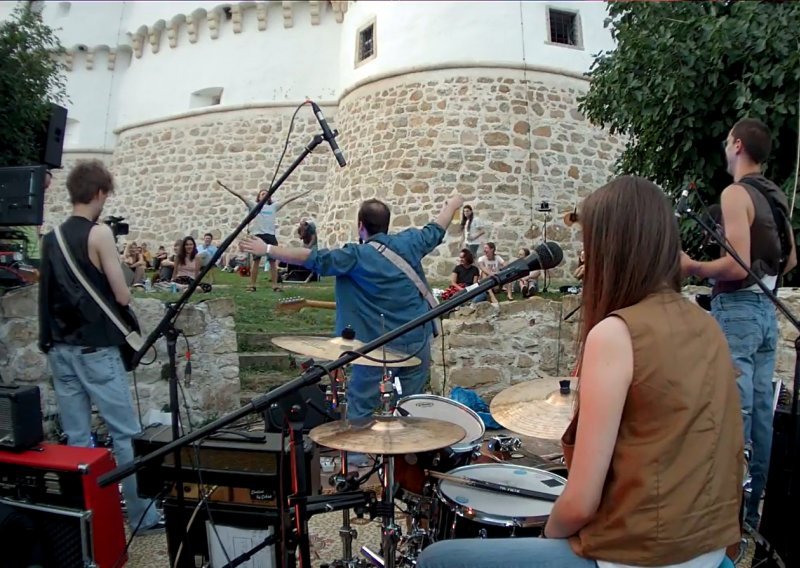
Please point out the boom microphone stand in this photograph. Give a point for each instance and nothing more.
(166, 327)
(792, 466)
(547, 255)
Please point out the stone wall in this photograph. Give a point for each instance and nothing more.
(506, 139)
(491, 347)
(209, 326)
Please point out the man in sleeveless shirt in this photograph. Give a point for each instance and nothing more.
(746, 315)
(81, 343)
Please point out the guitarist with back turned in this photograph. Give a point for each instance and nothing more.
(80, 340)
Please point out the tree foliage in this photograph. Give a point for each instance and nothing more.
(683, 73)
(30, 78)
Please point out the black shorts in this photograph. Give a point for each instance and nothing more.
(268, 239)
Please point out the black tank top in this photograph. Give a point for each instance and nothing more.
(81, 321)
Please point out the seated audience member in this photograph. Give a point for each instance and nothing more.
(206, 249)
(167, 266)
(187, 265)
(135, 262)
(464, 274)
(147, 256)
(489, 264)
(527, 285)
(654, 449)
(161, 255)
(307, 231)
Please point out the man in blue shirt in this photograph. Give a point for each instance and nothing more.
(373, 296)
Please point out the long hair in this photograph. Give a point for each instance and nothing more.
(181, 258)
(466, 223)
(632, 247)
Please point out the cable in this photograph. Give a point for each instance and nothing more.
(191, 522)
(797, 159)
(204, 502)
(444, 368)
(281, 494)
(286, 142)
(527, 108)
(124, 552)
(138, 403)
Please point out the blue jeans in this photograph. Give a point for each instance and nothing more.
(80, 379)
(502, 553)
(363, 389)
(750, 325)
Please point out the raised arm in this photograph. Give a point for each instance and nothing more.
(229, 190)
(453, 204)
(283, 204)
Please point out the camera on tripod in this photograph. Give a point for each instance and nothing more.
(117, 226)
(544, 207)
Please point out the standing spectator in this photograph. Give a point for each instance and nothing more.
(473, 228)
(264, 227)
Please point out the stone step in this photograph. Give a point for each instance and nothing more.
(270, 359)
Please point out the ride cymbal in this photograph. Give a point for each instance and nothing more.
(540, 408)
(388, 435)
(331, 348)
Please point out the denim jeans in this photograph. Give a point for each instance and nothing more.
(749, 322)
(502, 553)
(80, 379)
(363, 389)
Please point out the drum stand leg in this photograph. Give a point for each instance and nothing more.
(390, 532)
(346, 532)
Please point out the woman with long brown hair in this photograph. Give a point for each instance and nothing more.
(654, 449)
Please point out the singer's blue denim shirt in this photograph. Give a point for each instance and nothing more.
(368, 285)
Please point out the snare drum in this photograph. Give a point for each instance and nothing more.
(468, 512)
(409, 469)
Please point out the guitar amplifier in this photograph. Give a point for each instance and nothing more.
(20, 417)
(55, 487)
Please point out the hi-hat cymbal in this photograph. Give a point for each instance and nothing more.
(331, 348)
(388, 435)
(538, 408)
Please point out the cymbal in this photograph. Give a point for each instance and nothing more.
(331, 348)
(388, 435)
(536, 408)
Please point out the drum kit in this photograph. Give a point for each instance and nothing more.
(433, 463)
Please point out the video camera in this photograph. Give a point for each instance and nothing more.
(117, 226)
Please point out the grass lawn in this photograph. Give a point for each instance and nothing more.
(256, 311)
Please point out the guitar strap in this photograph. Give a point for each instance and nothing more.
(406, 269)
(132, 338)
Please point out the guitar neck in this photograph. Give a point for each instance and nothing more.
(320, 304)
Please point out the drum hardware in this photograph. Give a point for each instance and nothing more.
(506, 444)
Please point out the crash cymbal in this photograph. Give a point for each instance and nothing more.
(538, 408)
(331, 348)
(388, 435)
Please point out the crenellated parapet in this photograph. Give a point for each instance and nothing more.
(182, 27)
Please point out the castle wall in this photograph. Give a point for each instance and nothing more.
(506, 139)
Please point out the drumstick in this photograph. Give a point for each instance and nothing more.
(490, 486)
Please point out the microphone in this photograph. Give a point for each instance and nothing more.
(328, 135)
(683, 204)
(546, 256)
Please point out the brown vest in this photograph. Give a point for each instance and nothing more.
(674, 484)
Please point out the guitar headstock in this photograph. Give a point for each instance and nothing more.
(293, 304)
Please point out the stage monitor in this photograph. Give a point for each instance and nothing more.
(22, 195)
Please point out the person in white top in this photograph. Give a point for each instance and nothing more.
(264, 227)
(473, 228)
(491, 263)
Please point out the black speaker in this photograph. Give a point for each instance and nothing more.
(51, 143)
(782, 494)
(20, 417)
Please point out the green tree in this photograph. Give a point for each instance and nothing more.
(30, 78)
(683, 73)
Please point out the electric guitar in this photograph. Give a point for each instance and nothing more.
(295, 304)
